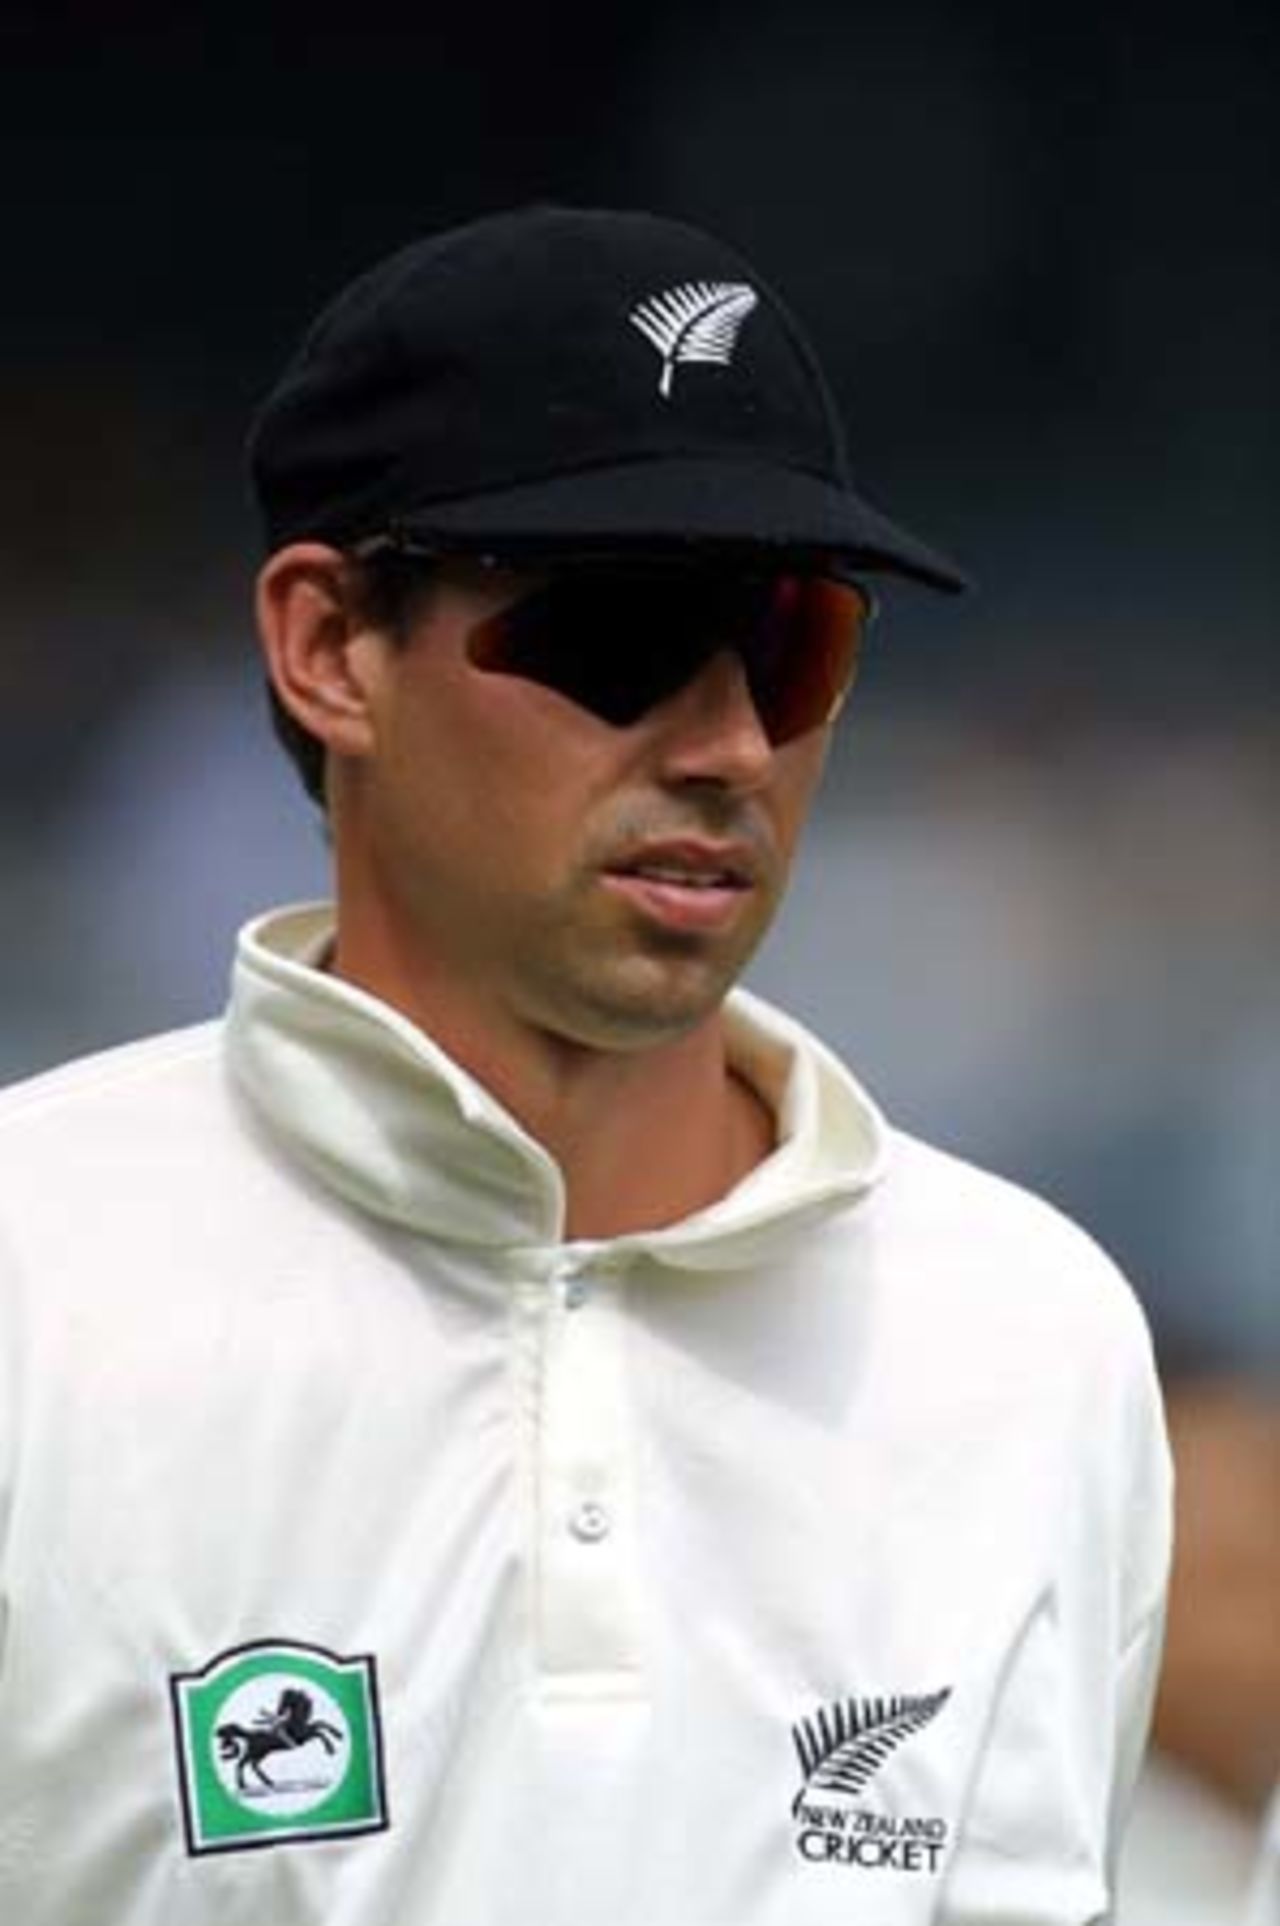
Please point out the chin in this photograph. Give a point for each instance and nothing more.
(642, 1015)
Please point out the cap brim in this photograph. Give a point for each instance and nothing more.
(675, 501)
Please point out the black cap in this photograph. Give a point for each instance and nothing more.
(566, 378)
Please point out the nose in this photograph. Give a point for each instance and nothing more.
(711, 730)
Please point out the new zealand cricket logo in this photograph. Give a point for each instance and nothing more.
(278, 1741)
(840, 1750)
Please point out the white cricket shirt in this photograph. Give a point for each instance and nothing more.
(371, 1556)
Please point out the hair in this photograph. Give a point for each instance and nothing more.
(389, 590)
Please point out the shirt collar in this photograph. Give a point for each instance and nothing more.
(372, 1106)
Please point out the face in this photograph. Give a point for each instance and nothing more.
(605, 883)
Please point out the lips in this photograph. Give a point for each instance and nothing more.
(690, 865)
(694, 888)
(685, 879)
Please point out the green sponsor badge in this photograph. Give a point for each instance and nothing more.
(278, 1741)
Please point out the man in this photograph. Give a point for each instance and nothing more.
(501, 1426)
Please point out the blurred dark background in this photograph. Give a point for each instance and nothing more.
(1040, 907)
(1036, 248)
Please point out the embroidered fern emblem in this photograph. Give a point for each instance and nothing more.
(697, 321)
(844, 1745)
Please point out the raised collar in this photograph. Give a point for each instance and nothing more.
(377, 1111)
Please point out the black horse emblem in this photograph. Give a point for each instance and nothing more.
(284, 1730)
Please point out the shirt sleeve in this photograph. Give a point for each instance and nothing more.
(1051, 1792)
(1137, 1676)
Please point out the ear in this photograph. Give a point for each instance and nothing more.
(309, 622)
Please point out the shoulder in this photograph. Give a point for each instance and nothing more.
(997, 1254)
(944, 1195)
(116, 1171)
(1044, 1335)
(93, 1114)
(112, 1078)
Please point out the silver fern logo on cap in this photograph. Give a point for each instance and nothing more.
(697, 321)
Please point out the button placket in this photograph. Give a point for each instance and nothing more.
(587, 1611)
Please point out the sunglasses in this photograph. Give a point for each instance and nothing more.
(620, 638)
(619, 635)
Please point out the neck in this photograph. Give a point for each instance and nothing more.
(642, 1137)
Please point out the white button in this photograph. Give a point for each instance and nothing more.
(590, 1522)
(575, 1293)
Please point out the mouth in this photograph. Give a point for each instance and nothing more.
(686, 878)
(689, 886)
(689, 862)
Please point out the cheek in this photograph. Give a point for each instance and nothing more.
(799, 772)
(481, 774)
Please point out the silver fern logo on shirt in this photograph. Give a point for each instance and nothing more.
(698, 321)
(841, 1748)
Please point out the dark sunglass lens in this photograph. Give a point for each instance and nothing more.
(619, 641)
(802, 656)
(615, 642)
